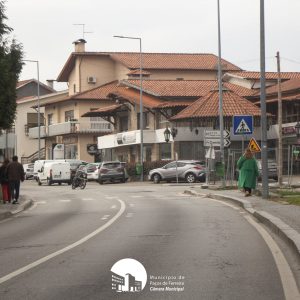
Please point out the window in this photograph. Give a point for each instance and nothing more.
(50, 119)
(124, 123)
(145, 120)
(171, 165)
(165, 151)
(69, 115)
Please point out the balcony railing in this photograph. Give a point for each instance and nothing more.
(71, 127)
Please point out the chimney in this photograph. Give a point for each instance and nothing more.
(50, 82)
(79, 45)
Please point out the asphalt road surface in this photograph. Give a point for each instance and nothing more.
(192, 248)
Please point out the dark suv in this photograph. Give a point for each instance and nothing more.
(111, 171)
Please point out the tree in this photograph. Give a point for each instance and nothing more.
(11, 55)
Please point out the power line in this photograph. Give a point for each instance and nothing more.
(290, 60)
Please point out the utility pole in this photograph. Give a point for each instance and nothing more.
(221, 119)
(279, 167)
(264, 137)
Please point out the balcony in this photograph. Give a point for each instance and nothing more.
(71, 127)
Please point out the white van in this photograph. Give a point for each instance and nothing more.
(38, 164)
(54, 172)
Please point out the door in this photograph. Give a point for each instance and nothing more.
(170, 170)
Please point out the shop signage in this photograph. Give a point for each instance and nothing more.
(126, 138)
(92, 149)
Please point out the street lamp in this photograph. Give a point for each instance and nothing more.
(167, 134)
(38, 97)
(141, 100)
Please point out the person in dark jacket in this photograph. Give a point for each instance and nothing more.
(15, 172)
(4, 181)
(248, 172)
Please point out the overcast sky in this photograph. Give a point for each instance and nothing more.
(46, 30)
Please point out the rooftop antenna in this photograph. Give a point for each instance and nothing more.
(83, 29)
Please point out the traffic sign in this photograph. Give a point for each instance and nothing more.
(253, 145)
(210, 134)
(242, 125)
(216, 142)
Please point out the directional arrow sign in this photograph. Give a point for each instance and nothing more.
(216, 134)
(216, 142)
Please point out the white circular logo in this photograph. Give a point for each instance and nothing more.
(128, 275)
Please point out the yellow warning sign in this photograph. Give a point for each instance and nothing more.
(253, 145)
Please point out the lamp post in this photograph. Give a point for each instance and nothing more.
(167, 135)
(38, 98)
(221, 119)
(141, 101)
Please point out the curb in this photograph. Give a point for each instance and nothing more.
(23, 206)
(290, 235)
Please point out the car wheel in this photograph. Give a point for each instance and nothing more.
(100, 181)
(156, 178)
(190, 178)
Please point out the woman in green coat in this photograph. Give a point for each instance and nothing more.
(248, 172)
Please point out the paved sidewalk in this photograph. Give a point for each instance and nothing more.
(8, 210)
(281, 218)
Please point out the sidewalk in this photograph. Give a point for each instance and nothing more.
(283, 219)
(8, 210)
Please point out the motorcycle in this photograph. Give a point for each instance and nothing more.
(79, 180)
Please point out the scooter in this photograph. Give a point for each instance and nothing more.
(79, 180)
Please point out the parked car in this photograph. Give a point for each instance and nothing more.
(112, 171)
(272, 170)
(92, 171)
(187, 170)
(28, 169)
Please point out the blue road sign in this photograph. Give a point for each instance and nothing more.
(242, 125)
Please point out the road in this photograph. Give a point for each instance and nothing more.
(65, 245)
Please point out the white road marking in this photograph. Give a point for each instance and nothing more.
(114, 206)
(105, 217)
(137, 196)
(289, 285)
(65, 200)
(129, 215)
(87, 199)
(131, 205)
(111, 197)
(40, 202)
(67, 248)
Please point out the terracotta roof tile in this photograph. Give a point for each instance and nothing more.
(185, 88)
(133, 96)
(284, 98)
(171, 104)
(137, 72)
(269, 75)
(151, 61)
(103, 111)
(208, 106)
(23, 82)
(98, 93)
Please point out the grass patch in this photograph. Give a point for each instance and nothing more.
(288, 196)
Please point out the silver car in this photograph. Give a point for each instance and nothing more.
(187, 170)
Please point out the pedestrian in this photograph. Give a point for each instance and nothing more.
(4, 181)
(248, 172)
(15, 172)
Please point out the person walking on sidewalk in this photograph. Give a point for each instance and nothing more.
(248, 172)
(4, 181)
(15, 172)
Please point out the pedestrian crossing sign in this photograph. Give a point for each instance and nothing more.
(253, 145)
(242, 125)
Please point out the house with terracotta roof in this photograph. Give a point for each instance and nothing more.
(16, 140)
(95, 81)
